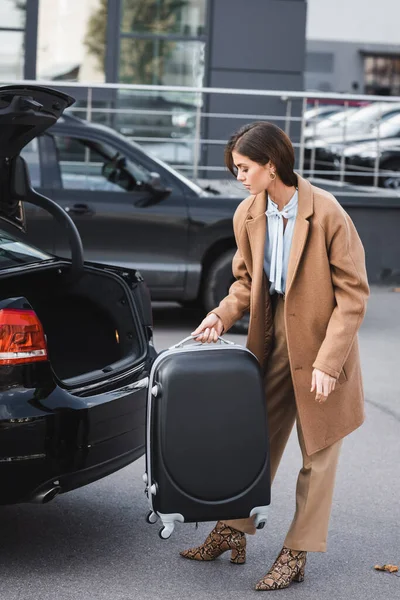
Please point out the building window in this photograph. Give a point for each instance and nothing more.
(179, 17)
(162, 42)
(12, 40)
(13, 14)
(71, 40)
(161, 62)
(319, 62)
(382, 75)
(11, 55)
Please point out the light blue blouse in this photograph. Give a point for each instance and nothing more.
(279, 242)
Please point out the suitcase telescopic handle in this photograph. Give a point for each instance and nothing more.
(191, 338)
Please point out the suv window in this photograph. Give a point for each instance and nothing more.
(13, 252)
(88, 165)
(31, 154)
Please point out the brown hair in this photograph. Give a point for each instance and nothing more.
(262, 142)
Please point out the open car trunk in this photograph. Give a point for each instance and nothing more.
(87, 312)
(90, 324)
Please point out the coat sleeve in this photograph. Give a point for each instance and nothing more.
(350, 283)
(237, 302)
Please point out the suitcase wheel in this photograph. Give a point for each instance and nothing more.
(151, 517)
(165, 532)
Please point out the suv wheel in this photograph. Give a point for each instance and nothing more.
(216, 287)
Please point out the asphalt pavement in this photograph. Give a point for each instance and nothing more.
(94, 543)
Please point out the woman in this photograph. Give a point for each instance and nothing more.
(300, 270)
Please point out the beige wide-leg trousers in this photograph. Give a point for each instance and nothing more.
(315, 483)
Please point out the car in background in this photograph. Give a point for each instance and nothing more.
(75, 337)
(360, 121)
(363, 159)
(314, 138)
(334, 122)
(316, 114)
(327, 150)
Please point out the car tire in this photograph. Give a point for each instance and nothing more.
(389, 182)
(216, 286)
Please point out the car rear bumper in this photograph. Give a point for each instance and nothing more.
(32, 473)
(77, 441)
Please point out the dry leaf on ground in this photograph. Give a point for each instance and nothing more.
(390, 568)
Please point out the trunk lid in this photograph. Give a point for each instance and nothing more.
(26, 111)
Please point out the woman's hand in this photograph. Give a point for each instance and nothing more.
(209, 329)
(323, 383)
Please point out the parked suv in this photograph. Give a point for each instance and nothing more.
(131, 209)
(75, 337)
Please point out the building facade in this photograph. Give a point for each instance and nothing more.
(353, 46)
(213, 43)
(166, 42)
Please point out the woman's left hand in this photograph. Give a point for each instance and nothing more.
(323, 383)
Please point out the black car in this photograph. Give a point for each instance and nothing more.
(363, 159)
(75, 337)
(133, 210)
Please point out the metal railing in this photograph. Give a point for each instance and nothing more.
(291, 117)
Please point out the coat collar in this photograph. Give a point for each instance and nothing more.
(256, 224)
(306, 204)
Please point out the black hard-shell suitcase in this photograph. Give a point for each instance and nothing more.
(207, 451)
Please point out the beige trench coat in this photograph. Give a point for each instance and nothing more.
(326, 294)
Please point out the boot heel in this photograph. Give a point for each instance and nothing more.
(238, 556)
(221, 539)
(300, 576)
(288, 567)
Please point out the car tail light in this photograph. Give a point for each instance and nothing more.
(22, 338)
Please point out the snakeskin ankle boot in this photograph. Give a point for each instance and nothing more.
(221, 539)
(288, 567)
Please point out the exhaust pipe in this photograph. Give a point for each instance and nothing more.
(46, 495)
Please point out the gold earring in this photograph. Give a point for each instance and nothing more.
(273, 174)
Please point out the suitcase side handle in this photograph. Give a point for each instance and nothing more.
(191, 338)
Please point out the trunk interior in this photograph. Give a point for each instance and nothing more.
(89, 323)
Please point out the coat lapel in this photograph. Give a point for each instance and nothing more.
(256, 225)
(300, 234)
(301, 228)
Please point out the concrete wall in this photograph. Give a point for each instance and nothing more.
(378, 228)
(339, 32)
(252, 45)
(333, 66)
(377, 218)
(354, 21)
